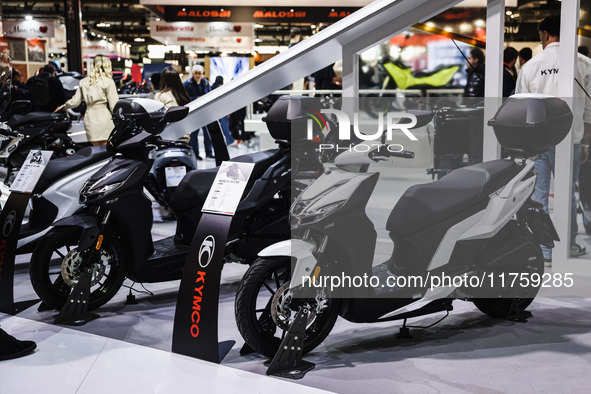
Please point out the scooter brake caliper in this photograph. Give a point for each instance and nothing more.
(70, 268)
(284, 307)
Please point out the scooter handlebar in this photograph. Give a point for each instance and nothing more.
(385, 154)
(405, 154)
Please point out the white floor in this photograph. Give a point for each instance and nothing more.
(71, 361)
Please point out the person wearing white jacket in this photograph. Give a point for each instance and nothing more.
(99, 93)
(542, 75)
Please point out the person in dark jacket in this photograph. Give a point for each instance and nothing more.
(509, 72)
(525, 54)
(224, 122)
(475, 84)
(197, 86)
(47, 89)
(20, 91)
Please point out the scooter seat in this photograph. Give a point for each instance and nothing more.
(32, 118)
(423, 206)
(58, 168)
(193, 189)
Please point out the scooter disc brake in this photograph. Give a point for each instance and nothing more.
(70, 269)
(284, 307)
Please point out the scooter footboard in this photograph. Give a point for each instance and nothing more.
(301, 251)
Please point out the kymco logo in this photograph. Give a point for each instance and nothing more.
(393, 122)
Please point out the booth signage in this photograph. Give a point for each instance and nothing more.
(31, 171)
(191, 29)
(29, 29)
(195, 331)
(252, 14)
(10, 223)
(197, 42)
(228, 187)
(223, 35)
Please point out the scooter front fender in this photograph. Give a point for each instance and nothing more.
(81, 220)
(89, 225)
(300, 250)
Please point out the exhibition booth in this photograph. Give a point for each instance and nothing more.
(394, 200)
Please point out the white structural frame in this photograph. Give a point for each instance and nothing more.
(344, 39)
(562, 262)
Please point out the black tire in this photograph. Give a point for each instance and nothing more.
(499, 308)
(253, 308)
(502, 306)
(46, 263)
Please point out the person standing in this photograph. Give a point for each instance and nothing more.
(99, 93)
(47, 89)
(525, 55)
(542, 75)
(172, 92)
(197, 86)
(475, 70)
(224, 122)
(509, 72)
(10, 347)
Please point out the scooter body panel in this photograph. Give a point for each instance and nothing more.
(63, 194)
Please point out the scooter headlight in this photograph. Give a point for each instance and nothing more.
(310, 214)
(96, 189)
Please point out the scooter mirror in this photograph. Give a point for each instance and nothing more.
(174, 114)
(5, 81)
(20, 107)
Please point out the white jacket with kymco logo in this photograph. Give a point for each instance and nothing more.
(542, 75)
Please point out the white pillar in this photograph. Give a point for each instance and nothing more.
(350, 82)
(493, 82)
(564, 151)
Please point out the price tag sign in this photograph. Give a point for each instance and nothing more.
(228, 186)
(174, 175)
(31, 171)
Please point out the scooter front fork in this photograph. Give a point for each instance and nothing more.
(92, 240)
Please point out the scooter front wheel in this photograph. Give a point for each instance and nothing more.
(55, 270)
(265, 285)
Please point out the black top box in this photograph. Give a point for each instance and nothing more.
(531, 123)
(288, 110)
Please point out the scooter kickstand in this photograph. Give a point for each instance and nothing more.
(517, 314)
(75, 310)
(404, 332)
(288, 362)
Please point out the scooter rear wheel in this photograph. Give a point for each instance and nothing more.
(54, 270)
(500, 308)
(254, 302)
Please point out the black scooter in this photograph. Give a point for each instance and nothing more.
(113, 234)
(34, 130)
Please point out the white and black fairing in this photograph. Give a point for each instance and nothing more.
(477, 218)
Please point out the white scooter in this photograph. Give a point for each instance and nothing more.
(473, 235)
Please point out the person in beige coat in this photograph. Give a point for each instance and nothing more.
(172, 93)
(99, 93)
